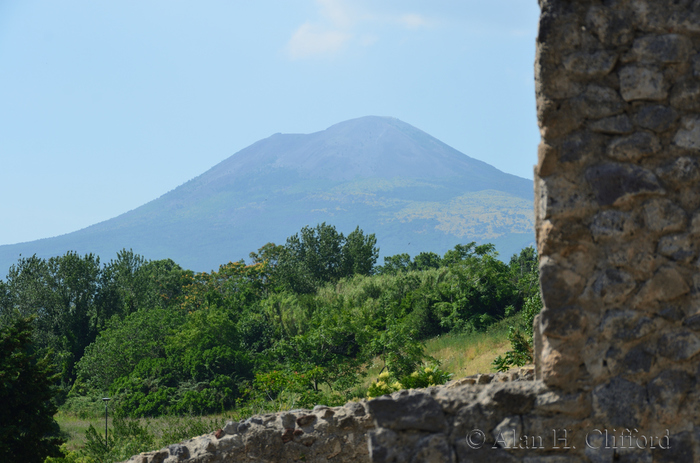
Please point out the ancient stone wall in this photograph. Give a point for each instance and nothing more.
(618, 222)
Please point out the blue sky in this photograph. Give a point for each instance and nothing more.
(105, 106)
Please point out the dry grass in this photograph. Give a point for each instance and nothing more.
(460, 354)
(469, 354)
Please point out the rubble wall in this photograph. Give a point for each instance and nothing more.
(617, 207)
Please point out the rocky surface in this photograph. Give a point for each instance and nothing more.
(617, 205)
(618, 96)
(417, 421)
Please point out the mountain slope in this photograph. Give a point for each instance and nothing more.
(390, 178)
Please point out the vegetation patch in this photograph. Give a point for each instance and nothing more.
(312, 321)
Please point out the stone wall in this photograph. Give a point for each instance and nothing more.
(618, 223)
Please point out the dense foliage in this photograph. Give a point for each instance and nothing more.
(28, 432)
(299, 324)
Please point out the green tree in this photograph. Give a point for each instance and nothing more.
(328, 350)
(124, 343)
(130, 282)
(318, 255)
(399, 348)
(270, 254)
(395, 264)
(524, 269)
(25, 288)
(28, 432)
(201, 371)
(208, 344)
(426, 260)
(73, 297)
(423, 261)
(459, 253)
(123, 286)
(525, 274)
(479, 289)
(319, 251)
(62, 293)
(360, 253)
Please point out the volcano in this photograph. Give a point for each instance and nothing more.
(412, 191)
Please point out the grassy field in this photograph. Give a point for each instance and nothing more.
(462, 355)
(73, 428)
(154, 433)
(469, 354)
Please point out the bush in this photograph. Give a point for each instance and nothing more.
(383, 386)
(520, 337)
(426, 377)
(423, 377)
(84, 407)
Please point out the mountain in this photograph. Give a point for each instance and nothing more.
(390, 178)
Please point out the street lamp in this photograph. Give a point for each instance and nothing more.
(105, 400)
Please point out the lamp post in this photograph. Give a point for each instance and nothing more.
(105, 400)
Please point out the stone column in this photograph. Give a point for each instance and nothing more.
(617, 207)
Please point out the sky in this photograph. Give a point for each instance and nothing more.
(105, 106)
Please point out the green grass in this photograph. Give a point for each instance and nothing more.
(73, 428)
(75, 417)
(159, 432)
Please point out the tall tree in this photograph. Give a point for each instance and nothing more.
(360, 253)
(123, 289)
(28, 432)
(321, 254)
(61, 292)
(426, 260)
(395, 264)
(459, 253)
(130, 283)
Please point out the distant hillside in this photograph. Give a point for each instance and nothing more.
(390, 178)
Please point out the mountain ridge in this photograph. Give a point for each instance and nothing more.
(380, 173)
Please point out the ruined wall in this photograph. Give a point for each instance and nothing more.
(618, 97)
(617, 208)
(618, 223)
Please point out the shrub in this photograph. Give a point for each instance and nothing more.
(520, 337)
(426, 376)
(383, 386)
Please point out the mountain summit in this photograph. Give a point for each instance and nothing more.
(390, 178)
(367, 147)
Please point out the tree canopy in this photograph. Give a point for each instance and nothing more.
(303, 320)
(320, 254)
(28, 431)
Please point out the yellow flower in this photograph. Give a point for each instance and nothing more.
(430, 379)
(428, 370)
(415, 374)
(397, 385)
(381, 384)
(384, 375)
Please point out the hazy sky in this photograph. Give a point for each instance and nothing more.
(105, 106)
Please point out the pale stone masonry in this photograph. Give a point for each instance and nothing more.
(617, 208)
